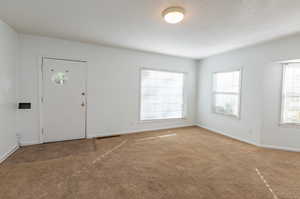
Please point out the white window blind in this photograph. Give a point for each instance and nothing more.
(226, 92)
(291, 94)
(162, 95)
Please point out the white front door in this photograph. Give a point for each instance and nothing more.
(64, 100)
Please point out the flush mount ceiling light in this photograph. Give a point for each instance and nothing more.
(173, 15)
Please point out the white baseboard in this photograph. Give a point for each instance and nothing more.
(10, 152)
(251, 142)
(28, 143)
(279, 148)
(138, 130)
(226, 134)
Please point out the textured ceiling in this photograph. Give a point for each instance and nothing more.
(210, 26)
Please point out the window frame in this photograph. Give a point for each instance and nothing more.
(238, 117)
(185, 96)
(283, 97)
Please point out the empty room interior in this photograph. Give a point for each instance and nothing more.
(150, 99)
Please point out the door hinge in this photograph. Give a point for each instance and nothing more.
(42, 99)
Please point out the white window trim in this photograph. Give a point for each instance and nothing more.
(282, 98)
(238, 117)
(185, 96)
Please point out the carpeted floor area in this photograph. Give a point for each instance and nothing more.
(168, 164)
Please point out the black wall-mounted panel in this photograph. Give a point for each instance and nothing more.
(23, 105)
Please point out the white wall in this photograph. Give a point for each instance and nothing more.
(8, 61)
(261, 91)
(113, 85)
(113, 88)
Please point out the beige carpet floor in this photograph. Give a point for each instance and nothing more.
(168, 164)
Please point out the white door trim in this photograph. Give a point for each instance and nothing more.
(41, 92)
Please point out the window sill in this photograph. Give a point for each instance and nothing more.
(161, 120)
(290, 125)
(228, 115)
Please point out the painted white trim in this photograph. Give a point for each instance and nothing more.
(239, 94)
(28, 143)
(226, 134)
(184, 87)
(40, 97)
(251, 142)
(279, 148)
(159, 121)
(284, 96)
(9, 153)
(138, 131)
(288, 61)
(40, 58)
(41, 94)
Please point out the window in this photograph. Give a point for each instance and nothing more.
(290, 109)
(162, 95)
(226, 93)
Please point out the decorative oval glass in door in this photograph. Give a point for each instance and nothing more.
(60, 78)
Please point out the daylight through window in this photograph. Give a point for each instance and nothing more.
(162, 95)
(291, 93)
(226, 92)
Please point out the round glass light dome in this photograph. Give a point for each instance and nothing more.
(173, 15)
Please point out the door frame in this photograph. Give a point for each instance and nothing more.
(41, 92)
